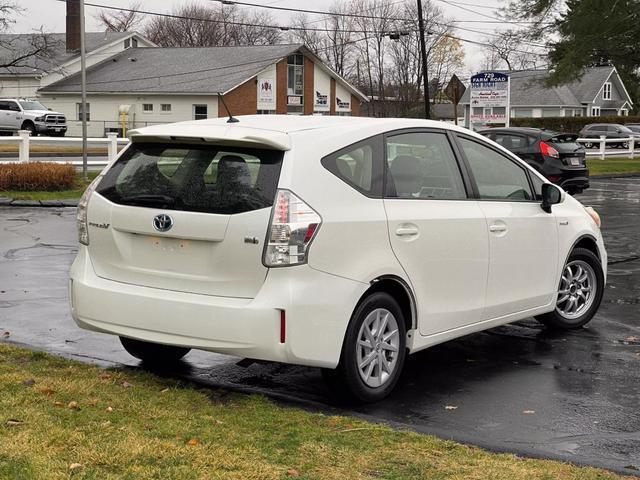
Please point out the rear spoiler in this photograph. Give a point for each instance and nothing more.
(227, 135)
(564, 138)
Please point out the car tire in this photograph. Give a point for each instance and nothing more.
(153, 353)
(377, 321)
(31, 128)
(581, 288)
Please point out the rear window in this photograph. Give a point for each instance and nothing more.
(194, 178)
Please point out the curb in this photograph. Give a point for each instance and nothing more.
(618, 175)
(10, 202)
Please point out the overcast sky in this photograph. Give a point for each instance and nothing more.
(50, 14)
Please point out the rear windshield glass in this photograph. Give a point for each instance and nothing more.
(209, 179)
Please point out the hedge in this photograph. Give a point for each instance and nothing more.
(37, 176)
(568, 124)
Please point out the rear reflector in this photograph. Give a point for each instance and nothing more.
(283, 326)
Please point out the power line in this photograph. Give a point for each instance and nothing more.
(209, 20)
(357, 15)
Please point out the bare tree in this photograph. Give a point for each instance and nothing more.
(509, 49)
(33, 51)
(196, 25)
(120, 20)
(335, 44)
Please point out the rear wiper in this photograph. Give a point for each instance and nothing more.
(163, 200)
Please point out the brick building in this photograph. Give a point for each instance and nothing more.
(163, 85)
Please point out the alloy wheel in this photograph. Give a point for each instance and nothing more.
(378, 347)
(577, 289)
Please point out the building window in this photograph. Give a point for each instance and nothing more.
(127, 43)
(606, 91)
(200, 112)
(79, 111)
(595, 111)
(624, 112)
(295, 84)
(134, 42)
(550, 112)
(147, 107)
(266, 112)
(165, 107)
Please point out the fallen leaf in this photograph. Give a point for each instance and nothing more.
(29, 383)
(58, 404)
(14, 423)
(164, 391)
(529, 412)
(75, 466)
(47, 391)
(292, 472)
(126, 384)
(219, 422)
(632, 339)
(105, 376)
(73, 405)
(451, 407)
(193, 442)
(6, 334)
(109, 409)
(105, 424)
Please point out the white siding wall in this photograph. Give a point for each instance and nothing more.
(104, 110)
(19, 87)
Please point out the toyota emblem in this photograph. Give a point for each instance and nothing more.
(162, 222)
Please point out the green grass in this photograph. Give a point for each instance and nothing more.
(613, 165)
(72, 194)
(128, 424)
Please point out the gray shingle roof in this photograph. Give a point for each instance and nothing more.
(528, 88)
(34, 65)
(176, 70)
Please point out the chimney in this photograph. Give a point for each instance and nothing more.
(73, 25)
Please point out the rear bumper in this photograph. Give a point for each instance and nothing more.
(318, 307)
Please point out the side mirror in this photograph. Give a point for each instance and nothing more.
(551, 195)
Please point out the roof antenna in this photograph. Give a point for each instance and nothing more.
(232, 119)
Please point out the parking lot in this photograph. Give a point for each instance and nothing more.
(520, 388)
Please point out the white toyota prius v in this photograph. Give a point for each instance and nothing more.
(335, 242)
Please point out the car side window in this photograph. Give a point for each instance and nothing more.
(4, 105)
(511, 142)
(537, 186)
(13, 106)
(423, 165)
(497, 176)
(359, 166)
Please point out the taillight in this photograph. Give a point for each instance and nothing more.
(548, 151)
(81, 213)
(293, 226)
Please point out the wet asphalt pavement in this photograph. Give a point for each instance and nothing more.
(520, 388)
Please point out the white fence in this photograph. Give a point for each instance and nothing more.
(632, 148)
(24, 142)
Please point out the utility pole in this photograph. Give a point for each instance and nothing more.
(423, 49)
(83, 81)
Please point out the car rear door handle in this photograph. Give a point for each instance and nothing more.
(496, 228)
(407, 230)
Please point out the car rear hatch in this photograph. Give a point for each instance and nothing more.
(184, 216)
(571, 153)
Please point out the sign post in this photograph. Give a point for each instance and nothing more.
(489, 99)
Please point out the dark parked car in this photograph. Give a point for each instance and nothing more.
(556, 155)
(609, 130)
